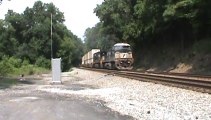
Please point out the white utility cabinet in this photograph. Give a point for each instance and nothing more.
(56, 70)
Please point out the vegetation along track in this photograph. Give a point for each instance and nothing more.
(188, 81)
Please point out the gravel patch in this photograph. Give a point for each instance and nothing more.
(141, 100)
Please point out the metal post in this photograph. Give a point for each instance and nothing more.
(51, 38)
(55, 63)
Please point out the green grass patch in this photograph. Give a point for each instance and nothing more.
(28, 70)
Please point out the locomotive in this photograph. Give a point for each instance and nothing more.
(119, 57)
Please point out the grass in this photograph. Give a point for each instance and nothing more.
(29, 70)
(26, 70)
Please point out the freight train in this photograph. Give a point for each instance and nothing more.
(119, 57)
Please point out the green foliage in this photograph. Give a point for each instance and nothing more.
(25, 62)
(15, 67)
(43, 62)
(180, 9)
(136, 21)
(8, 42)
(27, 36)
(6, 66)
(97, 38)
(117, 18)
(28, 70)
(15, 62)
(153, 27)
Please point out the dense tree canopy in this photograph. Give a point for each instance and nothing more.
(28, 36)
(134, 21)
(96, 37)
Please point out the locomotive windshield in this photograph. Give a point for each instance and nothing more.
(122, 48)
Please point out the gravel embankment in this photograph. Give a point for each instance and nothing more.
(141, 100)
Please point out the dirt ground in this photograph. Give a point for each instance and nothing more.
(23, 102)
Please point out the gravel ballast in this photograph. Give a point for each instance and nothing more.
(141, 100)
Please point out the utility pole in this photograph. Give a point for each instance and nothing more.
(51, 38)
(55, 63)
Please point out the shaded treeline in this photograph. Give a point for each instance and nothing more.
(146, 23)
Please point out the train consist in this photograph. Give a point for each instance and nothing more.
(119, 57)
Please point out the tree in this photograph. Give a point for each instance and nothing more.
(8, 42)
(117, 18)
(96, 37)
(152, 19)
(28, 35)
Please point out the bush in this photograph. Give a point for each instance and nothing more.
(15, 62)
(27, 70)
(43, 62)
(5, 67)
(13, 67)
(25, 62)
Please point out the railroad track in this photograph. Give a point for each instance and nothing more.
(188, 81)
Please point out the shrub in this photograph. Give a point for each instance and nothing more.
(5, 67)
(25, 62)
(13, 66)
(15, 62)
(43, 62)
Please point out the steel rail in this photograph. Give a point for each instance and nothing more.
(196, 82)
(181, 74)
(206, 83)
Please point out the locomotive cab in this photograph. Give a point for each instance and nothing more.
(122, 56)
